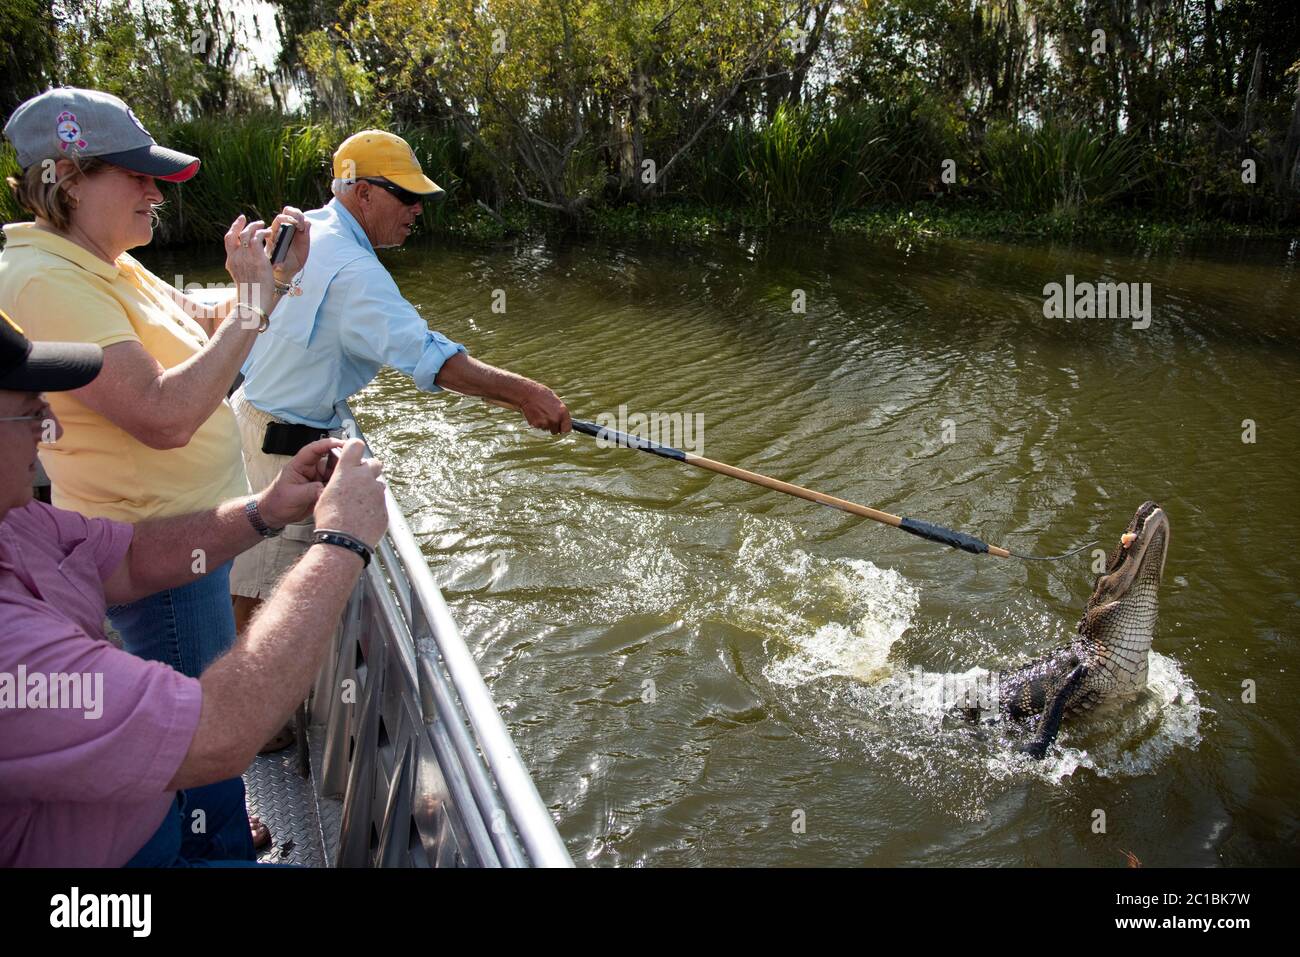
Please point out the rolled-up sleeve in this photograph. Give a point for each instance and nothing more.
(383, 328)
(103, 539)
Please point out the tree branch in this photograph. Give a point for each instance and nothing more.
(722, 101)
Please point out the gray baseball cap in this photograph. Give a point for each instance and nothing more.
(67, 122)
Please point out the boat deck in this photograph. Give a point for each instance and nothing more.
(289, 805)
(405, 760)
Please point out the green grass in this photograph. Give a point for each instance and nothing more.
(975, 222)
(1059, 167)
(253, 167)
(9, 210)
(867, 173)
(794, 166)
(800, 167)
(258, 164)
(925, 220)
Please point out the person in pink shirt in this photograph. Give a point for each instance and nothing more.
(105, 758)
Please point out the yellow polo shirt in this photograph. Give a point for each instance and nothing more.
(58, 291)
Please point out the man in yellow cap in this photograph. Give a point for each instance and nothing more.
(345, 321)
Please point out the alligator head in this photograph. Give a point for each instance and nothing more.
(1120, 618)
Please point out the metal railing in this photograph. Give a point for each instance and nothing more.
(413, 743)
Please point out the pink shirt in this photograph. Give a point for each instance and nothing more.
(76, 789)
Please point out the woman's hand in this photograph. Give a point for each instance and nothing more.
(296, 258)
(248, 264)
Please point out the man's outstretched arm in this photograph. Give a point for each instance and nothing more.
(540, 406)
(381, 326)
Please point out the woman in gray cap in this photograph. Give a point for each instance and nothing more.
(152, 435)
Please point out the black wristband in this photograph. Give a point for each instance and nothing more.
(328, 536)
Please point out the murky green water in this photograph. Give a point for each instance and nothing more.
(691, 665)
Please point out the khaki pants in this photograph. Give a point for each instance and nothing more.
(257, 570)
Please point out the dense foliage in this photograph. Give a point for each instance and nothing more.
(782, 109)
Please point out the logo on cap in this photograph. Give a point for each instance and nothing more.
(69, 131)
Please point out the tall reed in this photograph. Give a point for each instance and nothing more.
(803, 166)
(1059, 166)
(253, 166)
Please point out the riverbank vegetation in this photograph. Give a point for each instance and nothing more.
(906, 117)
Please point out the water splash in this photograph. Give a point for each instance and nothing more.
(843, 619)
(1137, 737)
(832, 632)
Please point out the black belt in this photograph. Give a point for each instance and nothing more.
(284, 438)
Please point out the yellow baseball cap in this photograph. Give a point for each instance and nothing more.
(379, 154)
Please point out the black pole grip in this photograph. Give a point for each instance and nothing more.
(627, 441)
(944, 536)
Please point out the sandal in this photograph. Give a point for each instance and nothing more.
(261, 834)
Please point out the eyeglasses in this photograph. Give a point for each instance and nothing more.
(403, 196)
(43, 413)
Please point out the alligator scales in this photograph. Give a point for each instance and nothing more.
(1107, 660)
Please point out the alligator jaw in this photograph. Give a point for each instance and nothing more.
(1150, 540)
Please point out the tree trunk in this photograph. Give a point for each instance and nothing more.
(799, 73)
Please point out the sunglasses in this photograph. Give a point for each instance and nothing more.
(403, 196)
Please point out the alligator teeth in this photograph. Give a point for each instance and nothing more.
(1127, 539)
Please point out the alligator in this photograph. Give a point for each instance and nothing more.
(1107, 660)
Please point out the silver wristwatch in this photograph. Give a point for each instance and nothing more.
(255, 519)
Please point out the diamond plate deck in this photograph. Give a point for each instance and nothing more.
(330, 809)
(286, 803)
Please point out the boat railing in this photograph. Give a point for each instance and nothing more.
(406, 736)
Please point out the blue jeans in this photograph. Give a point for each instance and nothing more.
(187, 627)
(222, 838)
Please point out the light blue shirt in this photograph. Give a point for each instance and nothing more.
(349, 321)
